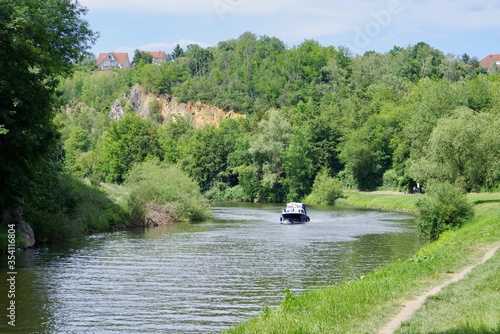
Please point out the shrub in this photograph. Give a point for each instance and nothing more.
(216, 192)
(392, 180)
(444, 208)
(236, 194)
(326, 189)
(152, 182)
(65, 208)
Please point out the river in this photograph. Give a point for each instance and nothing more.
(198, 277)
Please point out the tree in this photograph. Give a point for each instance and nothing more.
(128, 141)
(40, 41)
(177, 52)
(298, 168)
(141, 57)
(463, 149)
(367, 153)
(267, 150)
(206, 156)
(198, 59)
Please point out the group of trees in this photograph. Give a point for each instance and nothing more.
(378, 120)
(317, 117)
(40, 42)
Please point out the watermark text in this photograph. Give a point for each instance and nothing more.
(224, 6)
(11, 274)
(373, 28)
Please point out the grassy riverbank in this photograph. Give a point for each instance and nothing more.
(366, 304)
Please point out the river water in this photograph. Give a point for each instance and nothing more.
(198, 277)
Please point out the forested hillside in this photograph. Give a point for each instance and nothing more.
(387, 120)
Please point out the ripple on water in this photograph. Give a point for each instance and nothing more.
(205, 277)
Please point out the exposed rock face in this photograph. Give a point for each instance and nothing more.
(26, 232)
(117, 111)
(199, 113)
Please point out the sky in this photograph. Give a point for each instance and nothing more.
(453, 26)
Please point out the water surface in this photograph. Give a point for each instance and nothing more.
(202, 277)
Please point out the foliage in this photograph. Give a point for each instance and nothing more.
(463, 149)
(267, 151)
(128, 141)
(141, 57)
(445, 207)
(97, 90)
(325, 190)
(374, 121)
(177, 52)
(41, 40)
(174, 138)
(298, 169)
(236, 194)
(391, 180)
(63, 208)
(156, 183)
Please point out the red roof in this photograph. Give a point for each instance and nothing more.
(158, 55)
(489, 60)
(121, 58)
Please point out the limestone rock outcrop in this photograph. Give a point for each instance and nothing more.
(117, 110)
(199, 113)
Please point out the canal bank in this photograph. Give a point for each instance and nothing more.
(365, 305)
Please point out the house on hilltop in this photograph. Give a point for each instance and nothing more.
(490, 61)
(105, 61)
(158, 57)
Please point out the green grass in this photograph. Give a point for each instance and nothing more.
(365, 305)
(379, 200)
(472, 306)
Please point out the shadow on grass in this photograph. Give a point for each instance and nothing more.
(486, 201)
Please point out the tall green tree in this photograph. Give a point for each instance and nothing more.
(298, 168)
(177, 52)
(40, 40)
(128, 141)
(143, 57)
(267, 152)
(206, 156)
(463, 149)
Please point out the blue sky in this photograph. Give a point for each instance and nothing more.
(452, 26)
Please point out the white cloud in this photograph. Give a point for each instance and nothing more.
(193, 7)
(330, 22)
(161, 46)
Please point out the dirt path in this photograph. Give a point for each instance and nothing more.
(411, 306)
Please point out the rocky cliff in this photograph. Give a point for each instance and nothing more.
(148, 104)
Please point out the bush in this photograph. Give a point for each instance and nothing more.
(152, 182)
(392, 180)
(236, 194)
(444, 208)
(326, 190)
(65, 208)
(216, 192)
